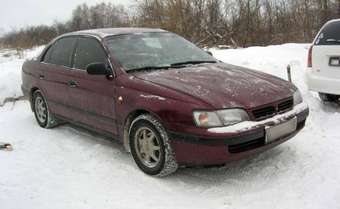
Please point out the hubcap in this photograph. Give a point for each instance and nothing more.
(40, 109)
(147, 147)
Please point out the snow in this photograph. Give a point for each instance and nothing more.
(67, 167)
(10, 72)
(152, 97)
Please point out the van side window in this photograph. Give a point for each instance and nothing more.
(88, 51)
(61, 52)
(330, 35)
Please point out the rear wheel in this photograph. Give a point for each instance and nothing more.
(42, 114)
(150, 147)
(329, 97)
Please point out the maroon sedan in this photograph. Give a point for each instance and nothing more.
(169, 102)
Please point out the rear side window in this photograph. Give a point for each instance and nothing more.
(88, 51)
(330, 35)
(61, 52)
(47, 55)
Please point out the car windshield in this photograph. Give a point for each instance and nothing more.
(155, 51)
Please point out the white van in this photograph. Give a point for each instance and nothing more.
(323, 74)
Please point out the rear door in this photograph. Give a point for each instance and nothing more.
(92, 97)
(326, 51)
(56, 64)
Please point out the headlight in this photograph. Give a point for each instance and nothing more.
(207, 119)
(297, 97)
(220, 118)
(232, 116)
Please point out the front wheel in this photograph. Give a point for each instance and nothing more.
(150, 147)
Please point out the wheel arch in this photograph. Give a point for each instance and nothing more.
(128, 121)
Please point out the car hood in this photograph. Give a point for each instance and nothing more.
(222, 85)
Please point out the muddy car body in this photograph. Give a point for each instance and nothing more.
(169, 102)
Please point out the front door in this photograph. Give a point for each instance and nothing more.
(92, 97)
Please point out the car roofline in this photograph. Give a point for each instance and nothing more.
(106, 32)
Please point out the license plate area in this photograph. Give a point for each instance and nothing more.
(284, 129)
(334, 61)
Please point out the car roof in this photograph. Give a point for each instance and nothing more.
(105, 32)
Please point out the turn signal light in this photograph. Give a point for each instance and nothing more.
(203, 118)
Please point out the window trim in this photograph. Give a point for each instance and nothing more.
(114, 73)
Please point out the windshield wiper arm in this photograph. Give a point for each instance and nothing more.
(333, 40)
(174, 65)
(195, 62)
(147, 68)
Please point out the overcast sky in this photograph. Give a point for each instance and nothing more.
(19, 13)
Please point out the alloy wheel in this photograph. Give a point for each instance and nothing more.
(148, 147)
(40, 109)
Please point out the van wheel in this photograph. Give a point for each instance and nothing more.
(150, 148)
(41, 111)
(329, 97)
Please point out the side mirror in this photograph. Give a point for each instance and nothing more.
(206, 50)
(98, 69)
(210, 53)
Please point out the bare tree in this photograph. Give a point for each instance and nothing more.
(205, 22)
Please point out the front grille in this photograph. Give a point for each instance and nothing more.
(285, 106)
(271, 110)
(264, 112)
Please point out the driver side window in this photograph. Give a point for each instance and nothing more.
(88, 51)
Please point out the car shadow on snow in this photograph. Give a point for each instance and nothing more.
(264, 165)
(330, 107)
(111, 148)
(315, 104)
(277, 161)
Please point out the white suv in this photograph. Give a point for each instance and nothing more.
(323, 74)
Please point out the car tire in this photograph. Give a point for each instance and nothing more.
(329, 97)
(41, 111)
(150, 147)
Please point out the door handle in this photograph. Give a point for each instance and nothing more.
(73, 84)
(41, 77)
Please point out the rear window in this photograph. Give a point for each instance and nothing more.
(330, 35)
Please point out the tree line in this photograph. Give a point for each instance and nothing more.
(239, 23)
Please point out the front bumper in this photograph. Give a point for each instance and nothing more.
(239, 142)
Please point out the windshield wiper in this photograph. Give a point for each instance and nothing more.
(174, 65)
(148, 68)
(333, 40)
(195, 62)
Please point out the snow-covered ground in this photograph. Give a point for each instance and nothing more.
(68, 168)
(10, 71)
